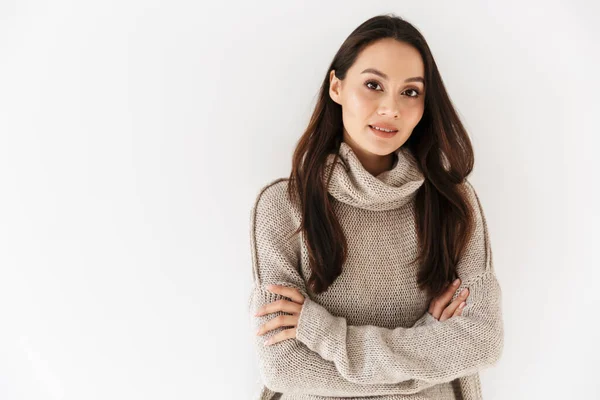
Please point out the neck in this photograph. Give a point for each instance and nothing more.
(373, 163)
(351, 183)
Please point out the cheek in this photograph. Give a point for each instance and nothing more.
(413, 113)
(359, 104)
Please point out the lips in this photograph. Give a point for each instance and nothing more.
(384, 126)
(382, 134)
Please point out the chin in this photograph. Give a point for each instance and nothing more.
(377, 145)
(383, 147)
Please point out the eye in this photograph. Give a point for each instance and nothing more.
(367, 83)
(414, 96)
(416, 93)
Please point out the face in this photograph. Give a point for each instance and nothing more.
(368, 98)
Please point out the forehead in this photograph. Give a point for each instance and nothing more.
(396, 59)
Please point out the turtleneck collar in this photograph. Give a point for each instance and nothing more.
(352, 184)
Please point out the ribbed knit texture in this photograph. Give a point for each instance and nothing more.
(370, 335)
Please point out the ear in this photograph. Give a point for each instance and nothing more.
(334, 87)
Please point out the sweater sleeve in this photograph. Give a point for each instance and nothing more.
(429, 352)
(425, 319)
(289, 366)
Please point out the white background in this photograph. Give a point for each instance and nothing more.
(134, 138)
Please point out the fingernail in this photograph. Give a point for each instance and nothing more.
(464, 292)
(456, 282)
(463, 304)
(267, 342)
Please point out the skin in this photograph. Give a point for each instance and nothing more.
(367, 98)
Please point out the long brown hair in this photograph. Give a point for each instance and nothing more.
(439, 142)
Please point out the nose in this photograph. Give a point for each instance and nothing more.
(389, 107)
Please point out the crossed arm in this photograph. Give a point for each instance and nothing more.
(329, 357)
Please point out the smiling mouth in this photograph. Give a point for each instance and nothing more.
(382, 134)
(381, 130)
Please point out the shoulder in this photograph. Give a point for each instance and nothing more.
(271, 191)
(274, 244)
(469, 189)
(272, 196)
(473, 200)
(272, 203)
(478, 257)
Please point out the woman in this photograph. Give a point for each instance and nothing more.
(361, 255)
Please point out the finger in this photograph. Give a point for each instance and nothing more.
(451, 309)
(448, 311)
(290, 292)
(278, 321)
(279, 305)
(460, 309)
(439, 303)
(283, 335)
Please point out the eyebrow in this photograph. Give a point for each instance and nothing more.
(384, 76)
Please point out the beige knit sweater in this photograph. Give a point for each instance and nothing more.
(370, 333)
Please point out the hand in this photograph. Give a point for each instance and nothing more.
(293, 307)
(438, 309)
